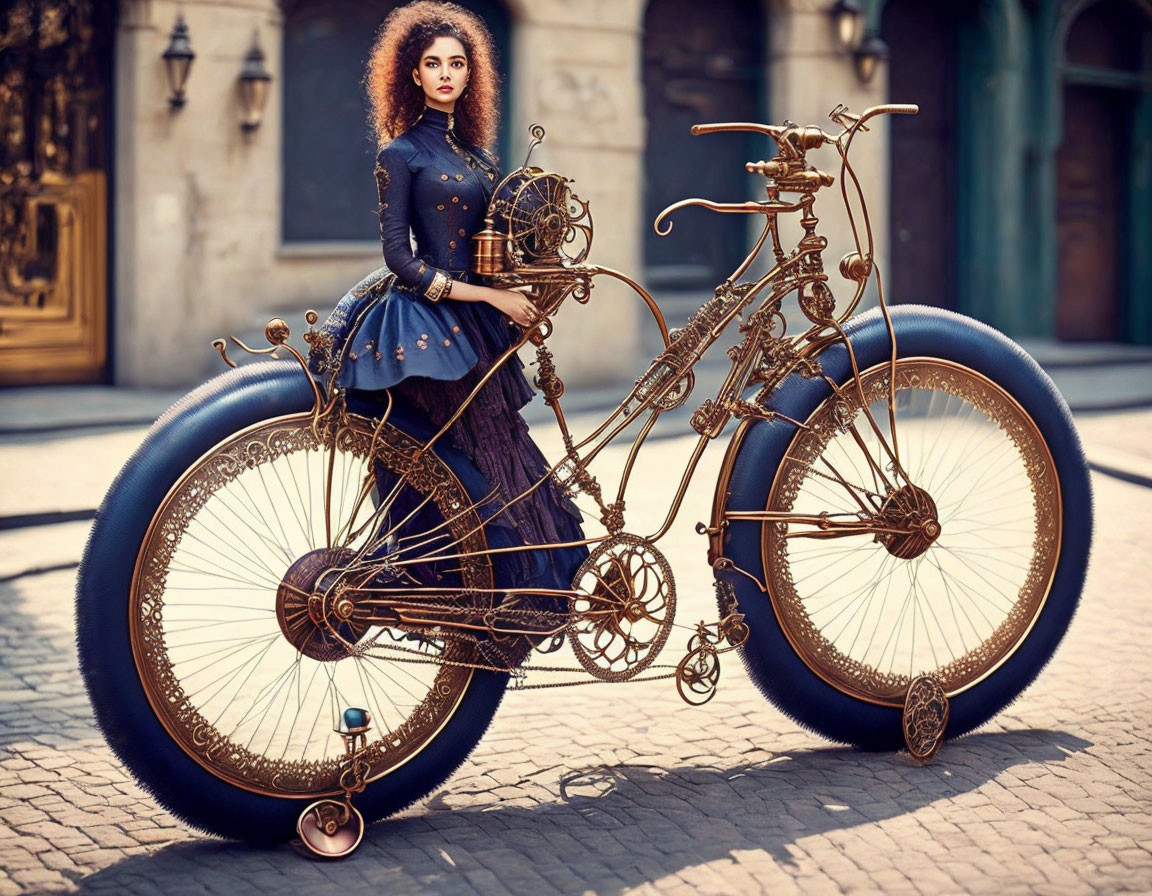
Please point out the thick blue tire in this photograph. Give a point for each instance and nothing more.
(228, 404)
(774, 664)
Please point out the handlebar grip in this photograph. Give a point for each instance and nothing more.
(891, 109)
(715, 127)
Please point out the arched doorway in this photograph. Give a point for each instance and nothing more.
(702, 62)
(329, 194)
(922, 193)
(1102, 168)
(55, 166)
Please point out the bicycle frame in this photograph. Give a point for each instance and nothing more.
(763, 357)
(389, 561)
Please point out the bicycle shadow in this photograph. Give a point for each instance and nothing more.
(610, 827)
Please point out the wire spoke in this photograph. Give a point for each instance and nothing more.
(978, 465)
(261, 686)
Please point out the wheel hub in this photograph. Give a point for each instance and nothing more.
(911, 509)
(315, 618)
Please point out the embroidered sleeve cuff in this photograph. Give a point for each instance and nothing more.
(439, 288)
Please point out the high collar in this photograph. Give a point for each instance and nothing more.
(436, 120)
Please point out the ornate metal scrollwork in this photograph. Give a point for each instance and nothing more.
(625, 608)
(925, 718)
(732, 626)
(542, 219)
(818, 303)
(53, 188)
(667, 388)
(698, 674)
(547, 381)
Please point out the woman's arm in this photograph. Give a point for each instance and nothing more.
(394, 185)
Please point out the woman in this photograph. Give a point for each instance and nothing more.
(422, 328)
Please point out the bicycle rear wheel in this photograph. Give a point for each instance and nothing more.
(220, 660)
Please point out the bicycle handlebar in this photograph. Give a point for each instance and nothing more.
(804, 137)
(887, 109)
(789, 169)
(780, 171)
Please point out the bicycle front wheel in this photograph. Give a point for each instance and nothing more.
(871, 613)
(931, 519)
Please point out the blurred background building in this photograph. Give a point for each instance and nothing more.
(171, 172)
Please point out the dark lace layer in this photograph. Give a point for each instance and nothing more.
(495, 437)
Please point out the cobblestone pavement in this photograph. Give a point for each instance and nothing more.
(623, 789)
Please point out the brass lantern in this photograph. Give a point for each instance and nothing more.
(846, 18)
(178, 62)
(254, 80)
(871, 52)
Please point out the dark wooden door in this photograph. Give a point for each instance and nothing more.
(1090, 184)
(702, 62)
(1107, 63)
(922, 188)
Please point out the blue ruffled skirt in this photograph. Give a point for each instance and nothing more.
(431, 356)
(402, 336)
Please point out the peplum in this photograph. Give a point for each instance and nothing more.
(386, 333)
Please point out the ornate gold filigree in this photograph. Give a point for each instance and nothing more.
(839, 666)
(731, 626)
(240, 458)
(624, 610)
(925, 718)
(542, 219)
(53, 190)
(698, 673)
(663, 386)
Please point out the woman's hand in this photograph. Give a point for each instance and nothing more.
(511, 302)
(515, 304)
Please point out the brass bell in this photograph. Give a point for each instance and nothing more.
(488, 252)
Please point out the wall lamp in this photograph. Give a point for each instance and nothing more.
(846, 19)
(870, 50)
(254, 80)
(178, 62)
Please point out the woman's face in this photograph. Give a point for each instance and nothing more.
(442, 73)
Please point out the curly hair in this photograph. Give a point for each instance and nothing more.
(397, 102)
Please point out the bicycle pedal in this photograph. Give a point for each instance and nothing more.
(330, 829)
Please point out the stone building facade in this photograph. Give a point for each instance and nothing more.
(206, 227)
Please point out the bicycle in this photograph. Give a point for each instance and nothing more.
(899, 534)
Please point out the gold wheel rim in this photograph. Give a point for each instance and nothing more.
(868, 623)
(303, 760)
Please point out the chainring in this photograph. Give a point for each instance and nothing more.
(625, 608)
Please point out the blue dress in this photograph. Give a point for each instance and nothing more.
(385, 334)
